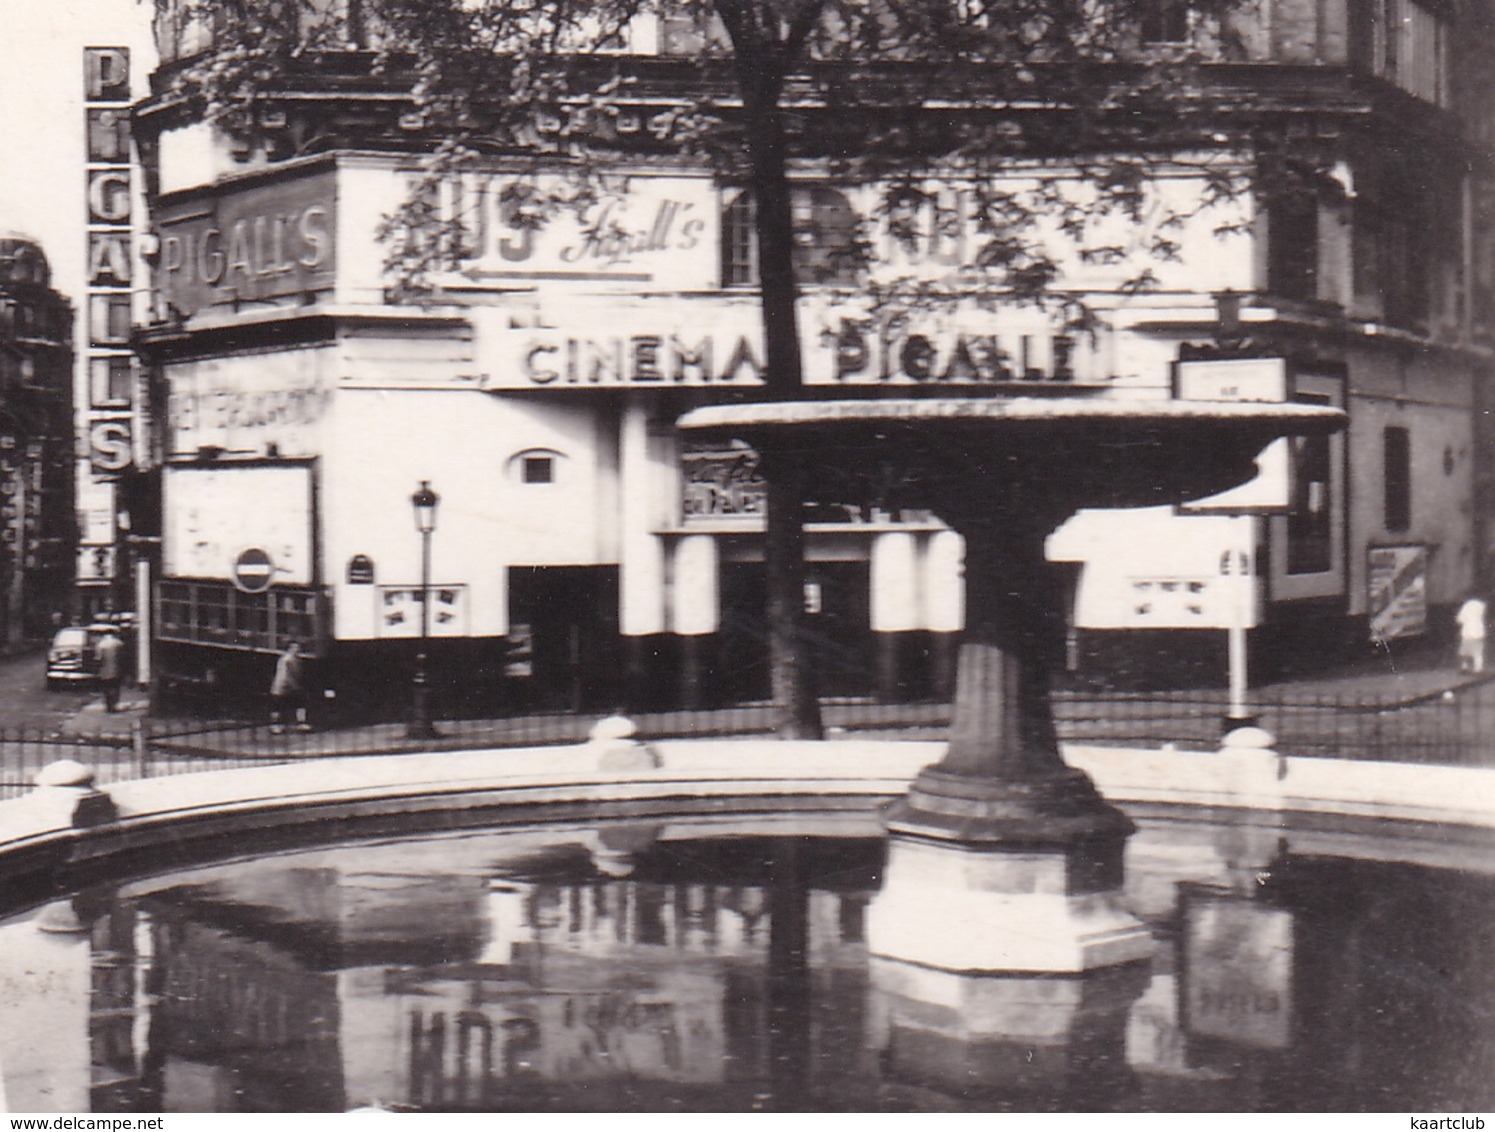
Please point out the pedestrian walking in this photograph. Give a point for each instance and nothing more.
(111, 673)
(1471, 619)
(288, 696)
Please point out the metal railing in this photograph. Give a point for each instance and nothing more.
(1453, 728)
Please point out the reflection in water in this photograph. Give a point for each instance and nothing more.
(502, 971)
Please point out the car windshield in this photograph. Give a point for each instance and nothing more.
(69, 638)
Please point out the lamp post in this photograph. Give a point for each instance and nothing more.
(423, 502)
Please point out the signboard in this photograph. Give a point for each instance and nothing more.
(1237, 969)
(110, 196)
(1175, 603)
(399, 611)
(1242, 379)
(249, 403)
(212, 512)
(654, 230)
(110, 446)
(253, 571)
(95, 565)
(1145, 570)
(718, 341)
(1396, 577)
(360, 570)
(722, 483)
(256, 242)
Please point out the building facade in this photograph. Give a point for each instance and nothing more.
(37, 532)
(584, 557)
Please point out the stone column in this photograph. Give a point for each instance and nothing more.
(896, 608)
(641, 574)
(943, 584)
(695, 613)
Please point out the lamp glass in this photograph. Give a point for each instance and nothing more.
(424, 502)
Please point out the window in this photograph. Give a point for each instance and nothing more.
(1310, 536)
(538, 469)
(1293, 246)
(1165, 21)
(691, 33)
(215, 613)
(1403, 42)
(536, 466)
(1394, 248)
(826, 232)
(739, 243)
(1397, 448)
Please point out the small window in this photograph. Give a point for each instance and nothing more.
(1293, 246)
(538, 469)
(1397, 446)
(1165, 21)
(535, 466)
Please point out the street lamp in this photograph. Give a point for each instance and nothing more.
(423, 502)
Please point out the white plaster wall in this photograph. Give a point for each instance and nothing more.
(383, 442)
(368, 189)
(1152, 544)
(1434, 404)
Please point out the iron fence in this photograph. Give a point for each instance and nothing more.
(1447, 728)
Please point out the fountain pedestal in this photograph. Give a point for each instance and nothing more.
(1001, 857)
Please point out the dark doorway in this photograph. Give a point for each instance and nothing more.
(839, 613)
(568, 618)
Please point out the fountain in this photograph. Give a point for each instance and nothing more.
(1002, 858)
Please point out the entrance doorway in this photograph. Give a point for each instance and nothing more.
(565, 618)
(838, 612)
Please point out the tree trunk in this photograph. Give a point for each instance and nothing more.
(797, 709)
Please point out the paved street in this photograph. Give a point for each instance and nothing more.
(25, 700)
(27, 703)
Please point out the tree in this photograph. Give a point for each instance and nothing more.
(863, 90)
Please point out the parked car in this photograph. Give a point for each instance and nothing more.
(74, 655)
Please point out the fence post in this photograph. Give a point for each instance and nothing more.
(140, 748)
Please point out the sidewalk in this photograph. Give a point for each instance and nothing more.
(1377, 687)
(1387, 684)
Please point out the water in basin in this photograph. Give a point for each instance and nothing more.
(721, 964)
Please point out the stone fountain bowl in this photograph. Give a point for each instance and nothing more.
(987, 456)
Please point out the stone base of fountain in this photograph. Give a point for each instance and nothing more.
(992, 908)
(1005, 877)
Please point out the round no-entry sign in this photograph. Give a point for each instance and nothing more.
(253, 571)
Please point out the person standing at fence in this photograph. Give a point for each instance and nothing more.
(111, 653)
(288, 690)
(1471, 619)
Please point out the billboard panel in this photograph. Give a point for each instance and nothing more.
(213, 514)
(1396, 577)
(256, 242)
